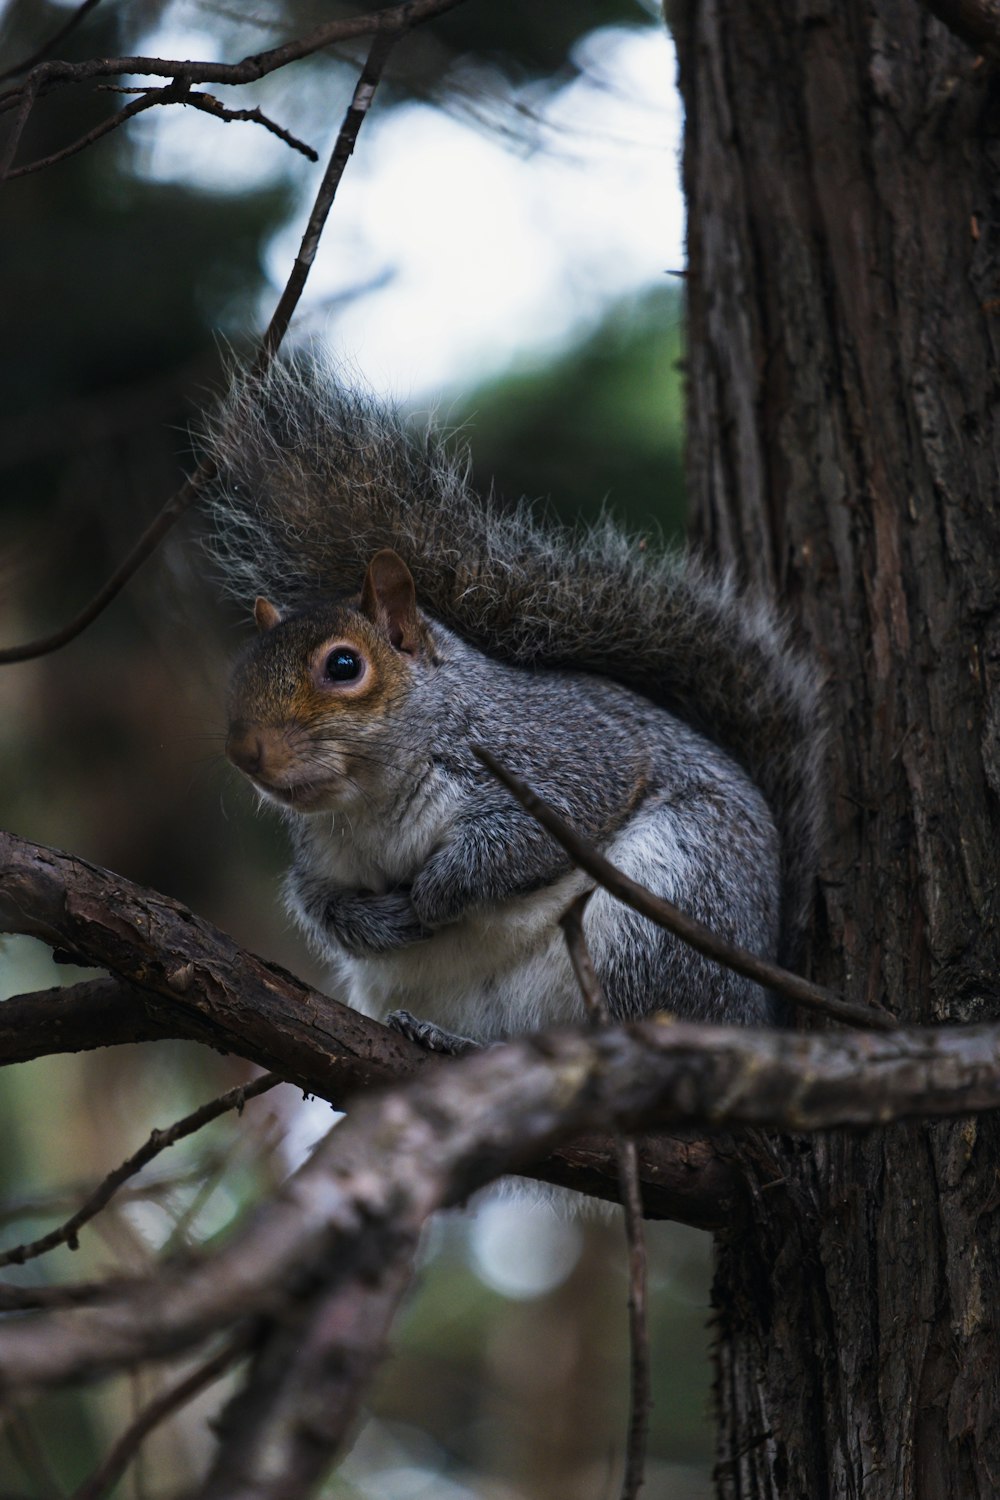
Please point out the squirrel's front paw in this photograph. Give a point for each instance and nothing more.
(438, 893)
(364, 923)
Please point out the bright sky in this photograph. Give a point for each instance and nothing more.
(483, 254)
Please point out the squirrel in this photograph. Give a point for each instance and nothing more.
(404, 618)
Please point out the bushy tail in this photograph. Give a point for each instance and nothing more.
(315, 479)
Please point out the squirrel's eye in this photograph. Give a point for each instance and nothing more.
(343, 665)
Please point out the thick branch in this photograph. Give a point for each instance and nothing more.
(280, 1433)
(161, 946)
(176, 975)
(80, 1017)
(400, 1155)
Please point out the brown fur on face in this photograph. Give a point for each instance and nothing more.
(299, 734)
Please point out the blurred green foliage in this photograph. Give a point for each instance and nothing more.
(599, 425)
(118, 290)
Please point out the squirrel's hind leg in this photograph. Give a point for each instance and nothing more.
(433, 1038)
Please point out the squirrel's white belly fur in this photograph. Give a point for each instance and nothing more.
(500, 969)
(503, 968)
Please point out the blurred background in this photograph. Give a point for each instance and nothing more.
(505, 250)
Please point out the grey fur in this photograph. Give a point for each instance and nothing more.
(315, 480)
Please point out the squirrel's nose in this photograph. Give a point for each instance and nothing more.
(245, 749)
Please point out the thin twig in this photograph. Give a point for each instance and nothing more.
(47, 48)
(173, 93)
(357, 111)
(159, 1140)
(169, 1401)
(25, 104)
(210, 105)
(584, 854)
(640, 1378)
(161, 1187)
(389, 26)
(397, 19)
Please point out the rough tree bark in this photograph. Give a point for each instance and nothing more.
(844, 296)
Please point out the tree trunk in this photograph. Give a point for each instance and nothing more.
(844, 299)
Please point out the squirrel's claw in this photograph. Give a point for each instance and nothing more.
(433, 1038)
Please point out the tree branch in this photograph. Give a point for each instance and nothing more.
(124, 1450)
(401, 1154)
(172, 93)
(175, 975)
(394, 20)
(80, 1017)
(159, 1140)
(280, 1433)
(159, 945)
(53, 42)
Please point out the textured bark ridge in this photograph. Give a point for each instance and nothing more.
(844, 297)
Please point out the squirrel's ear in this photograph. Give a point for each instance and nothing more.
(388, 597)
(266, 615)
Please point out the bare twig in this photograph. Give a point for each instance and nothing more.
(159, 1187)
(584, 854)
(388, 26)
(396, 19)
(53, 42)
(24, 101)
(159, 1140)
(210, 105)
(640, 1380)
(173, 93)
(121, 1454)
(641, 1384)
(147, 544)
(364, 92)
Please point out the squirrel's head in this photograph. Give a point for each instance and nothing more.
(317, 702)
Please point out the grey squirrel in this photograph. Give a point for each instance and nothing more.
(404, 618)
